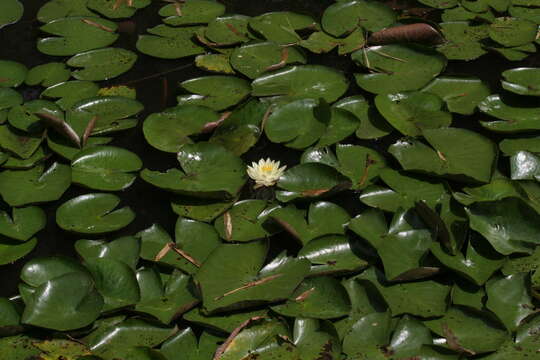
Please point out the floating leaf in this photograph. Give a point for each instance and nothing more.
(345, 16)
(226, 323)
(23, 223)
(463, 40)
(217, 63)
(114, 9)
(238, 284)
(461, 95)
(47, 74)
(367, 336)
(208, 170)
(124, 249)
(76, 34)
(513, 118)
(40, 185)
(11, 250)
(12, 73)
(509, 31)
(302, 81)
(191, 12)
(280, 27)
(523, 81)
(106, 168)
(169, 43)
(56, 9)
(185, 342)
(217, 92)
(71, 92)
(319, 298)
(93, 214)
(372, 124)
(408, 338)
(412, 112)
(9, 98)
(12, 11)
(524, 166)
(23, 117)
(315, 338)
(228, 30)
(102, 64)
(253, 60)
(200, 209)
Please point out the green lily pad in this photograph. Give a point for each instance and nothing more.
(185, 342)
(525, 345)
(56, 9)
(9, 98)
(509, 224)
(124, 249)
(409, 336)
(315, 338)
(439, 4)
(222, 322)
(195, 239)
(238, 284)
(509, 299)
(463, 40)
(425, 298)
(367, 336)
(169, 43)
(93, 214)
(310, 180)
(116, 341)
(76, 34)
(66, 149)
(64, 296)
(48, 74)
(102, 64)
(12, 11)
(522, 81)
(200, 209)
(461, 95)
(57, 348)
(174, 298)
(217, 63)
(40, 184)
(114, 9)
(9, 316)
(191, 12)
(372, 124)
(252, 60)
(228, 30)
(208, 170)
(11, 250)
(318, 298)
(412, 112)
(23, 117)
(523, 12)
(511, 118)
(245, 221)
(12, 73)
(280, 26)
(344, 17)
(320, 42)
(469, 295)
(457, 152)
(71, 92)
(171, 128)
(323, 218)
(397, 68)
(404, 191)
(333, 254)
(22, 223)
(106, 168)
(217, 92)
(509, 31)
(302, 81)
(468, 331)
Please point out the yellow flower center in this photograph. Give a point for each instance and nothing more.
(267, 168)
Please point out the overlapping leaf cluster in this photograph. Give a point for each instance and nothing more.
(441, 261)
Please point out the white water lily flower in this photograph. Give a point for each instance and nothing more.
(265, 172)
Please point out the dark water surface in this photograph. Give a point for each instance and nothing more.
(155, 91)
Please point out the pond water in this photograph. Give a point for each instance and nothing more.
(157, 91)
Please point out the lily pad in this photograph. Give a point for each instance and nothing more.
(125, 249)
(522, 81)
(93, 214)
(217, 63)
(76, 34)
(56, 9)
(315, 338)
(169, 43)
(463, 40)
(40, 184)
(106, 168)
(47, 74)
(372, 124)
(226, 323)
(524, 166)
(461, 95)
(11, 250)
(9, 98)
(12, 73)
(191, 12)
(71, 92)
(511, 118)
(22, 223)
(200, 209)
(114, 9)
(66, 149)
(217, 92)
(12, 11)
(367, 336)
(280, 26)
(344, 17)
(185, 342)
(412, 112)
(397, 68)
(170, 129)
(102, 64)
(228, 30)
(208, 170)
(24, 117)
(509, 31)
(323, 218)
(254, 59)
(238, 284)
(302, 81)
